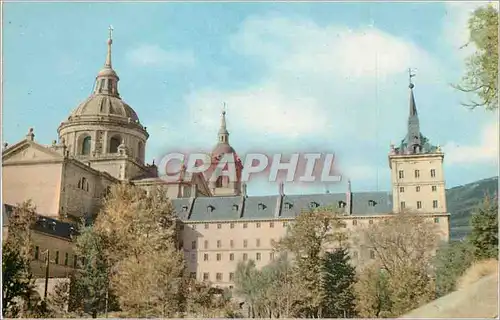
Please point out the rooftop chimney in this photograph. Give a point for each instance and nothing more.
(244, 190)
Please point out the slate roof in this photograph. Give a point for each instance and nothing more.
(44, 224)
(277, 207)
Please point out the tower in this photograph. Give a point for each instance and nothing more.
(104, 131)
(416, 165)
(222, 185)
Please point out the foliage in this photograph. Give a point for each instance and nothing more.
(373, 296)
(340, 277)
(90, 285)
(484, 235)
(481, 77)
(403, 247)
(206, 301)
(17, 283)
(451, 261)
(139, 232)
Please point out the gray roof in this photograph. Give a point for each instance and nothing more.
(276, 207)
(45, 224)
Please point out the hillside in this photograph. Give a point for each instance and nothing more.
(462, 200)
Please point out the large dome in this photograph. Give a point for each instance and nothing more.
(104, 105)
(222, 148)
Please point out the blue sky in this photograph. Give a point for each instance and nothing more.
(296, 77)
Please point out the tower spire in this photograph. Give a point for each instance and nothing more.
(107, 64)
(413, 136)
(223, 133)
(107, 79)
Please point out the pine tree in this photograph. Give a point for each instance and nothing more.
(338, 285)
(484, 235)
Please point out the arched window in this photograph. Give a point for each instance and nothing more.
(83, 185)
(114, 142)
(86, 145)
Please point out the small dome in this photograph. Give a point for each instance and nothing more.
(107, 72)
(104, 105)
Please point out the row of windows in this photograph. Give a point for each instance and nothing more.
(244, 256)
(419, 204)
(114, 143)
(271, 224)
(261, 206)
(55, 257)
(83, 184)
(417, 173)
(417, 189)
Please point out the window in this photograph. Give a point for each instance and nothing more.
(140, 150)
(86, 143)
(341, 204)
(114, 143)
(193, 244)
(257, 256)
(433, 173)
(218, 276)
(245, 243)
(401, 174)
(288, 205)
(37, 252)
(354, 222)
(219, 226)
(231, 256)
(231, 243)
(206, 225)
(219, 243)
(231, 276)
(66, 259)
(245, 225)
(193, 226)
(417, 188)
(231, 287)
(355, 254)
(372, 203)
(417, 174)
(193, 257)
(313, 205)
(75, 261)
(271, 224)
(235, 207)
(419, 205)
(271, 242)
(285, 224)
(181, 244)
(271, 256)
(56, 260)
(219, 256)
(205, 276)
(231, 225)
(403, 205)
(205, 244)
(436, 220)
(372, 254)
(192, 275)
(370, 221)
(401, 189)
(434, 188)
(434, 204)
(258, 225)
(245, 257)
(262, 206)
(181, 227)
(205, 257)
(257, 243)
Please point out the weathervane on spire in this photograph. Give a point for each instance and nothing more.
(411, 74)
(223, 108)
(110, 30)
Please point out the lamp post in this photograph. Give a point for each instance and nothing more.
(47, 260)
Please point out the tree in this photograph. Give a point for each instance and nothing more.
(311, 234)
(91, 281)
(140, 235)
(16, 280)
(484, 234)
(451, 261)
(206, 301)
(403, 246)
(340, 277)
(481, 77)
(248, 284)
(373, 296)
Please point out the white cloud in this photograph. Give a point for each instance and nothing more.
(318, 80)
(483, 153)
(147, 55)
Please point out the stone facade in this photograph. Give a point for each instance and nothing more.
(103, 142)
